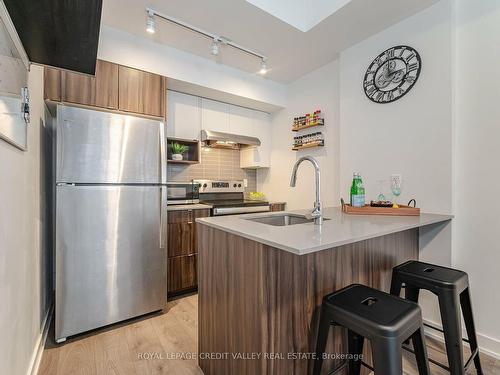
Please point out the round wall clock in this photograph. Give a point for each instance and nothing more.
(392, 74)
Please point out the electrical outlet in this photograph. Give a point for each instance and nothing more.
(245, 182)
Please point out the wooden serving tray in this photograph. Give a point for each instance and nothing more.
(389, 211)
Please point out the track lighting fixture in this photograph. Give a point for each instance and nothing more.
(150, 23)
(263, 67)
(216, 40)
(215, 47)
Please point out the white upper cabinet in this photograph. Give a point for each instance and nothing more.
(187, 115)
(214, 115)
(241, 121)
(263, 126)
(183, 116)
(258, 157)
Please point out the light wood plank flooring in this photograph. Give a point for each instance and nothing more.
(117, 350)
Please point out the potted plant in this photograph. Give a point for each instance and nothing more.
(178, 150)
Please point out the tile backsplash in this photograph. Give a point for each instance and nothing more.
(216, 164)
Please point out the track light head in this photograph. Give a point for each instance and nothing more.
(215, 47)
(150, 23)
(263, 67)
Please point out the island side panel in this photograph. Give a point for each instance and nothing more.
(254, 298)
(230, 301)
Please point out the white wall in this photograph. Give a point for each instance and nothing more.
(25, 288)
(319, 89)
(137, 52)
(476, 242)
(411, 136)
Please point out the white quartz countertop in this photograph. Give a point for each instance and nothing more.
(195, 206)
(301, 239)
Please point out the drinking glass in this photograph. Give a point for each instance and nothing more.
(381, 195)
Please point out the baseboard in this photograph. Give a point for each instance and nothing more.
(487, 345)
(40, 344)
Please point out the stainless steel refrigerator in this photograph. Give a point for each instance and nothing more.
(111, 260)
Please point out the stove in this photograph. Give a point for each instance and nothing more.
(227, 198)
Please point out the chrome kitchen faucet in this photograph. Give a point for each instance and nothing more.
(317, 213)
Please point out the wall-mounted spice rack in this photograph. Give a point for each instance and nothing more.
(309, 120)
(309, 145)
(307, 141)
(310, 140)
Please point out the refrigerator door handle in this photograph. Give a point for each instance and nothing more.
(163, 180)
(163, 209)
(163, 155)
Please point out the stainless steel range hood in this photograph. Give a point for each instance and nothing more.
(227, 140)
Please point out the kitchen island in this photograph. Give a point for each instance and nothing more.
(261, 285)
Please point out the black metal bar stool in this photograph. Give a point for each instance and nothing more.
(387, 321)
(452, 289)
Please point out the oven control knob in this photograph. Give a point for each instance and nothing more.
(239, 185)
(234, 185)
(205, 185)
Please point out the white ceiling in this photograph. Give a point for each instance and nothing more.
(292, 53)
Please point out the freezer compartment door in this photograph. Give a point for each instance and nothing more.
(101, 147)
(110, 255)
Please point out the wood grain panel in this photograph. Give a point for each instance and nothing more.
(106, 85)
(78, 88)
(180, 233)
(274, 207)
(182, 249)
(113, 88)
(141, 92)
(100, 90)
(197, 214)
(52, 84)
(182, 273)
(255, 298)
(179, 216)
(180, 239)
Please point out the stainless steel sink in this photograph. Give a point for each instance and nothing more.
(282, 220)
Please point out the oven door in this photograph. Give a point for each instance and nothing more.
(182, 193)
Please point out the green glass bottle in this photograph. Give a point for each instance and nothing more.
(357, 191)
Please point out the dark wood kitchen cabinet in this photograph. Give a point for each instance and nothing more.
(277, 206)
(52, 84)
(182, 274)
(77, 88)
(114, 87)
(182, 247)
(180, 229)
(141, 92)
(100, 90)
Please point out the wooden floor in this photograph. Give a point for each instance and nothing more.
(124, 348)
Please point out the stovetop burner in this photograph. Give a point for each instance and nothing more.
(228, 198)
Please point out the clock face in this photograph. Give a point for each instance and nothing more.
(392, 74)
